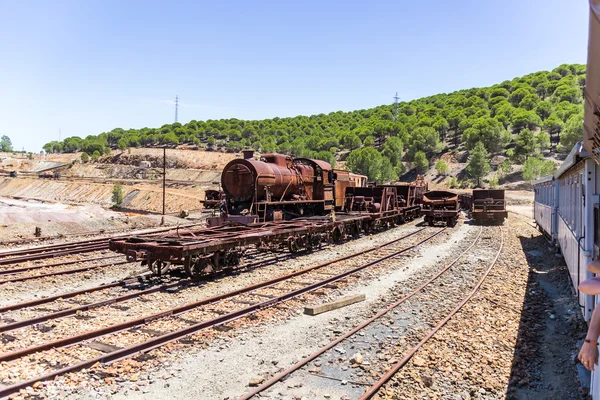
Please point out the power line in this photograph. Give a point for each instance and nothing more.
(176, 107)
(396, 98)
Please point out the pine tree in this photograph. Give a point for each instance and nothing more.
(117, 195)
(479, 164)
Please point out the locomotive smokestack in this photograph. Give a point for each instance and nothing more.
(248, 154)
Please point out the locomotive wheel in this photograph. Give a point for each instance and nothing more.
(431, 222)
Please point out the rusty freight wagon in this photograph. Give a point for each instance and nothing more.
(440, 206)
(489, 205)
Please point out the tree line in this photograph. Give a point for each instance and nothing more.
(520, 118)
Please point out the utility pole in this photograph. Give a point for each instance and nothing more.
(396, 98)
(176, 107)
(59, 134)
(164, 183)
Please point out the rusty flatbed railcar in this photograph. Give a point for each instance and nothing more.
(202, 251)
(489, 205)
(207, 250)
(440, 205)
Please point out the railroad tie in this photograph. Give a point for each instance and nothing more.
(187, 321)
(303, 283)
(219, 312)
(250, 303)
(103, 347)
(152, 332)
(263, 295)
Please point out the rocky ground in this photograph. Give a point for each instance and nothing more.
(515, 339)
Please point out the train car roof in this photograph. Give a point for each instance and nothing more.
(576, 154)
(543, 179)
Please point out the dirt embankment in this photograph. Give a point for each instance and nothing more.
(145, 197)
(189, 174)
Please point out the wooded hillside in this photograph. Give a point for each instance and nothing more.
(521, 119)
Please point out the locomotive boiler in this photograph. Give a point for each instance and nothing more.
(278, 187)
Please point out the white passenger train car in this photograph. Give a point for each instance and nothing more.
(565, 208)
(544, 207)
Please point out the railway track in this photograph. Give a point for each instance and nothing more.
(151, 331)
(64, 249)
(58, 264)
(525, 219)
(145, 287)
(63, 272)
(380, 335)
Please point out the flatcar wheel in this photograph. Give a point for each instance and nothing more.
(293, 245)
(354, 230)
(153, 265)
(158, 267)
(337, 234)
(196, 267)
(315, 241)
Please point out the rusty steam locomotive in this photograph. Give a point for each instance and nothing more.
(279, 187)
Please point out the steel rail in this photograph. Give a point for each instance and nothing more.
(34, 267)
(51, 247)
(68, 295)
(388, 375)
(83, 243)
(361, 326)
(121, 283)
(66, 272)
(113, 300)
(177, 310)
(57, 253)
(176, 335)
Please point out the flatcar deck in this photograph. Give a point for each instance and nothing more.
(211, 249)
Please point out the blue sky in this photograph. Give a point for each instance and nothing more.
(90, 66)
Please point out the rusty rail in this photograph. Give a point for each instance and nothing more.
(57, 250)
(388, 375)
(113, 300)
(34, 267)
(58, 253)
(176, 335)
(364, 324)
(66, 272)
